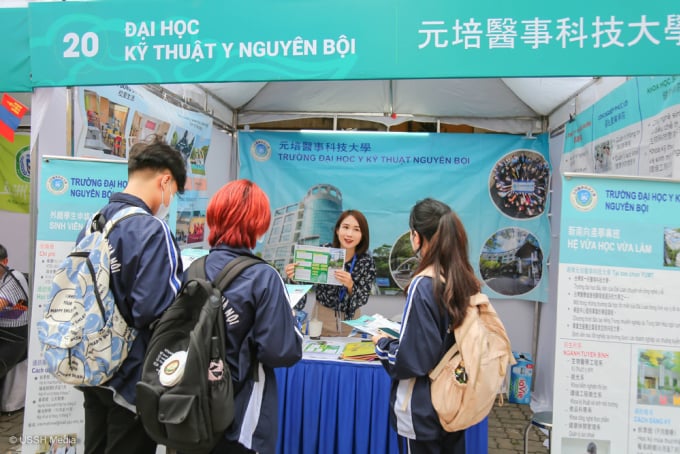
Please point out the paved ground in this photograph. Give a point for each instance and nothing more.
(506, 431)
(11, 427)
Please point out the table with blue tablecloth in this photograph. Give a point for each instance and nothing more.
(342, 407)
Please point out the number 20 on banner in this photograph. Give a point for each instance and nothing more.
(86, 45)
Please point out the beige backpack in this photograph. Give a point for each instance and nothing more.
(469, 376)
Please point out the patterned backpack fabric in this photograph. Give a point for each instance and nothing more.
(83, 335)
(465, 383)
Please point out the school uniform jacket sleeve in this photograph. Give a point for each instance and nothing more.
(154, 272)
(409, 359)
(417, 350)
(282, 346)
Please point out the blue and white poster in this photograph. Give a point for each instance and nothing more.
(618, 321)
(117, 117)
(631, 131)
(497, 184)
(71, 190)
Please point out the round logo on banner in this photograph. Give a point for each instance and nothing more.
(261, 150)
(23, 164)
(57, 184)
(583, 197)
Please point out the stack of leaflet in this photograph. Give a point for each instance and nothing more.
(322, 347)
(375, 324)
(359, 351)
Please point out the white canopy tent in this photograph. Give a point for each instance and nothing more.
(508, 105)
(515, 106)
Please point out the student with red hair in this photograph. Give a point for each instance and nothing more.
(261, 330)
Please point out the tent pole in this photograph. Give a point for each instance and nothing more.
(534, 343)
(70, 121)
(234, 165)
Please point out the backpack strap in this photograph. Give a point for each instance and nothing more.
(233, 269)
(116, 218)
(96, 223)
(230, 271)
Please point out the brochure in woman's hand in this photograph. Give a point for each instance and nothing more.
(315, 264)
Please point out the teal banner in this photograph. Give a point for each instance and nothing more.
(630, 131)
(498, 184)
(72, 190)
(617, 316)
(100, 43)
(15, 71)
(620, 222)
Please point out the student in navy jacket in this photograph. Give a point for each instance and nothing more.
(261, 329)
(144, 285)
(432, 305)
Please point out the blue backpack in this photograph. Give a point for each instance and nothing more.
(83, 335)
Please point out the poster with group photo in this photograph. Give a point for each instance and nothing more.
(497, 184)
(617, 357)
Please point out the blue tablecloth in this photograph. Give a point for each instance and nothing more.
(343, 408)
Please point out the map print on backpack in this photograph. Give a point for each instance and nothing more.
(83, 335)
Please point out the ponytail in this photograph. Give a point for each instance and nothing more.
(447, 255)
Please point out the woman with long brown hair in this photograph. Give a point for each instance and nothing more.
(342, 302)
(437, 299)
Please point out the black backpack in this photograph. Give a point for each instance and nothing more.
(191, 415)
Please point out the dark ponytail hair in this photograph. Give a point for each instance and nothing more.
(447, 254)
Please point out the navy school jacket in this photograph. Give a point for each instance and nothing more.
(144, 285)
(410, 358)
(262, 334)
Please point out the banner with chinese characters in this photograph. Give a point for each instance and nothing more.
(99, 43)
(498, 184)
(15, 173)
(631, 131)
(71, 190)
(617, 359)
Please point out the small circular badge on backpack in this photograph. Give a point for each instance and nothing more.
(172, 369)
